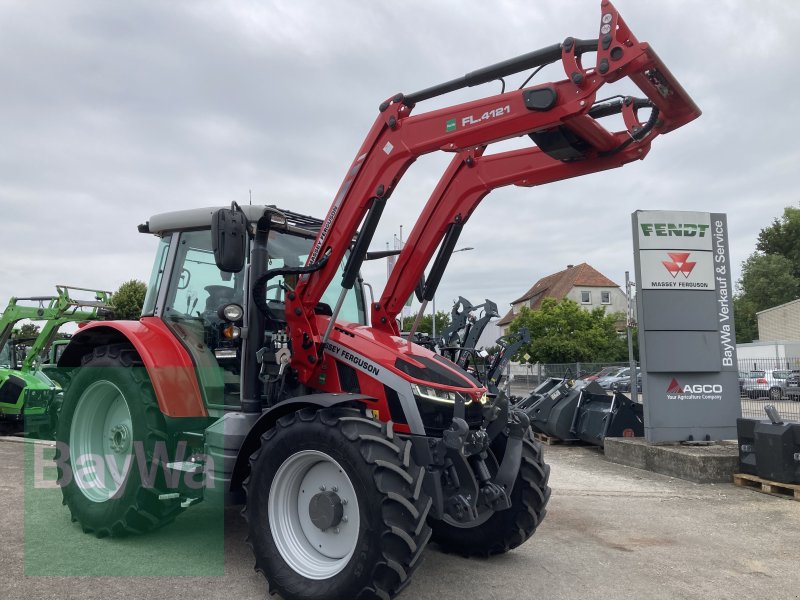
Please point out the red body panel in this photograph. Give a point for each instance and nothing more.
(168, 364)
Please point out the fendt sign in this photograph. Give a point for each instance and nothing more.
(686, 336)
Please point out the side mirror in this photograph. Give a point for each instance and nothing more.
(229, 239)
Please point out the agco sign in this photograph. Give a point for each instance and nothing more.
(697, 391)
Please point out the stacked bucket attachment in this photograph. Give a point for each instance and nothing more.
(584, 413)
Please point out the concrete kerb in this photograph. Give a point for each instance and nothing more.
(714, 463)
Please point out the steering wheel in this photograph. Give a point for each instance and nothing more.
(278, 286)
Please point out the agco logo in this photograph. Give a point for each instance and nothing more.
(679, 264)
(700, 388)
(674, 229)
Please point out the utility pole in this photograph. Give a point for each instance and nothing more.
(630, 323)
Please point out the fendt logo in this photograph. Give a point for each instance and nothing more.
(674, 229)
(698, 391)
(679, 264)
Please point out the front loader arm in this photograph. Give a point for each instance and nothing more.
(468, 180)
(397, 138)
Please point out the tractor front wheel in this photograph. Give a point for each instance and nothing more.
(335, 507)
(112, 445)
(503, 530)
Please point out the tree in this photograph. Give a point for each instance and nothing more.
(564, 332)
(129, 299)
(426, 325)
(27, 330)
(744, 318)
(782, 238)
(770, 276)
(767, 280)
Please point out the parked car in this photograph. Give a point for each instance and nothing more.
(608, 380)
(753, 384)
(760, 383)
(601, 373)
(624, 384)
(792, 387)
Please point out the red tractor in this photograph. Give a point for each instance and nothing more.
(251, 378)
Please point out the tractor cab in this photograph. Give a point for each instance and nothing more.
(206, 307)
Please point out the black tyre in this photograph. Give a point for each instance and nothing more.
(335, 507)
(506, 529)
(110, 412)
(775, 394)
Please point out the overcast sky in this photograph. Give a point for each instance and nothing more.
(113, 111)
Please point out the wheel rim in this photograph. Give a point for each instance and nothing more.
(775, 394)
(309, 550)
(101, 442)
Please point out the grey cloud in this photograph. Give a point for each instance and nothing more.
(112, 112)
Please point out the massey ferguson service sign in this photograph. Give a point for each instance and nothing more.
(677, 270)
(676, 250)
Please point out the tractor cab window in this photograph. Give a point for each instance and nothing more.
(292, 251)
(197, 288)
(5, 356)
(156, 276)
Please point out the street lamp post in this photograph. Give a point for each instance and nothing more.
(433, 301)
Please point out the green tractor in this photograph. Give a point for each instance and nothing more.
(30, 391)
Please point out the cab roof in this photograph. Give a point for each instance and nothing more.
(200, 218)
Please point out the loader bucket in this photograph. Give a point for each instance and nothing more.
(553, 412)
(599, 416)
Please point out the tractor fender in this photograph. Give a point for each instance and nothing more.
(169, 365)
(267, 420)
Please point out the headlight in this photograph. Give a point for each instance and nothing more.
(438, 395)
(232, 313)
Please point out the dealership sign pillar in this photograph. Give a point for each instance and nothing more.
(687, 342)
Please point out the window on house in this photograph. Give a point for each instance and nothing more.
(605, 297)
(586, 297)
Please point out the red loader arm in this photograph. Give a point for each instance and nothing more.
(469, 178)
(396, 139)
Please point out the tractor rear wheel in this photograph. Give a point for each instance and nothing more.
(115, 441)
(504, 530)
(335, 507)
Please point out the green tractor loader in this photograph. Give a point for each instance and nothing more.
(30, 395)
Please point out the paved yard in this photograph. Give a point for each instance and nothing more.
(611, 532)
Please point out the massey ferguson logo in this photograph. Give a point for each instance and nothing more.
(698, 391)
(679, 264)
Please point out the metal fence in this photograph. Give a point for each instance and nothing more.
(762, 381)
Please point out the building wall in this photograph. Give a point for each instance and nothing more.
(616, 297)
(779, 323)
(618, 302)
